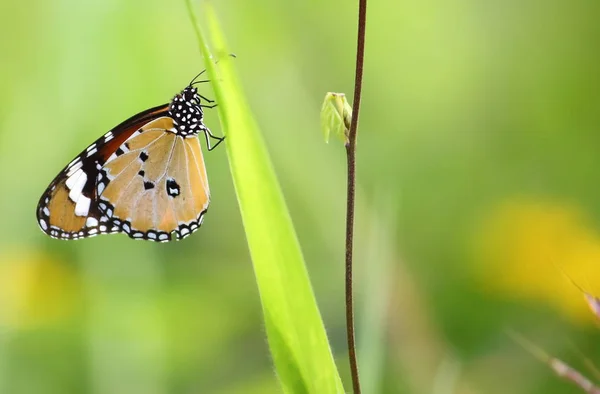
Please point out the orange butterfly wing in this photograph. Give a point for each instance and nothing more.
(68, 209)
(145, 178)
(158, 186)
(141, 178)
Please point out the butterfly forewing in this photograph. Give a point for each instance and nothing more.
(68, 208)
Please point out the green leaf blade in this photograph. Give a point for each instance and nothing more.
(295, 331)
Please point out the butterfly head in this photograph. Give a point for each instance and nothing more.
(190, 93)
(186, 112)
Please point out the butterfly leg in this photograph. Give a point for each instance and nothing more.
(207, 134)
(205, 99)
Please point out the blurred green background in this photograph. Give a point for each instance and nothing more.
(478, 163)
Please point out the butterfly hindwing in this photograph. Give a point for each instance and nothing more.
(186, 186)
(157, 186)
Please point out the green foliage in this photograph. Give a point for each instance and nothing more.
(469, 113)
(297, 338)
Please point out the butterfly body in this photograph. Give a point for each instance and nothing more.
(146, 178)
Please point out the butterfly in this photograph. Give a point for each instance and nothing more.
(145, 177)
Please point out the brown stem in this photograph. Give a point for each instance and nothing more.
(567, 372)
(351, 155)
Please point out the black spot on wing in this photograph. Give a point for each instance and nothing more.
(173, 188)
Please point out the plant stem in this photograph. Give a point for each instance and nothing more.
(351, 156)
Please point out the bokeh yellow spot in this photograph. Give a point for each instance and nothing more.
(35, 290)
(528, 249)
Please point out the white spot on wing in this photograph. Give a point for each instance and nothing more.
(82, 207)
(74, 169)
(91, 222)
(43, 224)
(73, 178)
(78, 185)
(135, 134)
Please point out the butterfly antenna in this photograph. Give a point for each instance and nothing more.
(194, 82)
(197, 82)
(200, 73)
